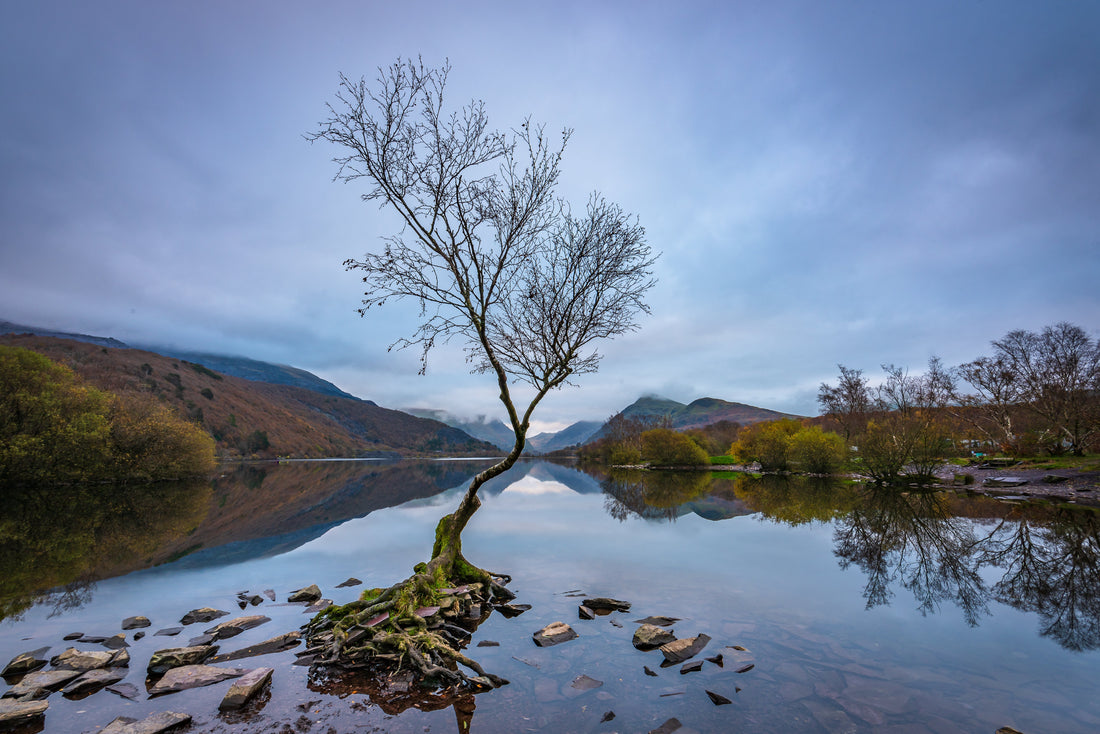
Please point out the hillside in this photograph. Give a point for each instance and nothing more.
(696, 414)
(494, 431)
(256, 418)
(573, 435)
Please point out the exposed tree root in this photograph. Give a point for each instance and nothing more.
(420, 624)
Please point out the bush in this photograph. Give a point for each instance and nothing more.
(666, 447)
(765, 443)
(816, 451)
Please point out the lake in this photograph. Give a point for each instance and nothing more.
(858, 609)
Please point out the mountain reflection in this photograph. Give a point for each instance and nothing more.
(944, 548)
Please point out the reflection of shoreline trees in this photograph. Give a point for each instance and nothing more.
(942, 547)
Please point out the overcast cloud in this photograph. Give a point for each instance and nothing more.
(847, 182)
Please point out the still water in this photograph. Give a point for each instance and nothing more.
(857, 609)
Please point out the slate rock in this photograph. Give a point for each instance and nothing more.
(138, 622)
(237, 625)
(352, 581)
(668, 727)
(275, 644)
(168, 632)
(325, 604)
(200, 640)
(650, 637)
(174, 657)
(717, 660)
(121, 659)
(193, 676)
(694, 667)
(648, 671)
(26, 662)
(488, 643)
(679, 651)
(659, 621)
(584, 612)
(610, 715)
(205, 614)
(553, 634)
(244, 688)
(604, 604)
(585, 683)
(126, 690)
(117, 642)
(40, 684)
(1005, 482)
(310, 593)
(253, 599)
(72, 636)
(82, 660)
(138, 635)
(92, 681)
(17, 713)
(716, 698)
(512, 610)
(154, 724)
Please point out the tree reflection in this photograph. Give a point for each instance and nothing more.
(652, 495)
(794, 499)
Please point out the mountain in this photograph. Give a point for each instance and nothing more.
(7, 327)
(696, 414)
(493, 431)
(249, 418)
(574, 435)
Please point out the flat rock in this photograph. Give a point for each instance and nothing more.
(693, 667)
(117, 642)
(168, 632)
(92, 681)
(16, 713)
(1005, 482)
(174, 657)
(155, 724)
(512, 610)
(679, 651)
(488, 643)
(650, 637)
(1054, 479)
(72, 636)
(200, 640)
(205, 614)
(716, 698)
(585, 683)
(659, 621)
(26, 662)
(553, 634)
(244, 688)
(310, 593)
(193, 676)
(648, 671)
(126, 690)
(604, 604)
(41, 684)
(584, 612)
(81, 660)
(352, 581)
(237, 625)
(138, 622)
(253, 599)
(318, 606)
(121, 659)
(275, 644)
(668, 727)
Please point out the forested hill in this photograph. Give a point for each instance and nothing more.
(249, 418)
(696, 414)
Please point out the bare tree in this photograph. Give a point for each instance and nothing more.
(493, 257)
(848, 402)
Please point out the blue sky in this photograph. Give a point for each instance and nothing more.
(846, 182)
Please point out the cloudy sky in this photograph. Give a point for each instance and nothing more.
(843, 182)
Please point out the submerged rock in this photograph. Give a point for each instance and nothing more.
(668, 727)
(126, 690)
(40, 685)
(205, 614)
(659, 621)
(275, 644)
(650, 637)
(237, 625)
(605, 605)
(584, 612)
(117, 642)
(17, 713)
(168, 632)
(554, 634)
(138, 622)
(174, 657)
(81, 660)
(193, 676)
(92, 681)
(154, 724)
(26, 662)
(310, 593)
(1005, 482)
(716, 698)
(679, 651)
(352, 581)
(244, 688)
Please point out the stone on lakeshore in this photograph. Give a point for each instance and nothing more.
(138, 635)
(650, 637)
(72, 636)
(26, 662)
(18, 713)
(605, 605)
(205, 614)
(1005, 482)
(154, 724)
(1054, 479)
(92, 681)
(318, 606)
(648, 671)
(717, 660)
(668, 727)
(168, 632)
(679, 651)
(512, 610)
(488, 643)
(584, 612)
(659, 621)
(200, 640)
(275, 644)
(41, 684)
(174, 657)
(694, 667)
(93, 639)
(81, 660)
(310, 593)
(716, 698)
(352, 581)
(553, 634)
(246, 599)
(584, 683)
(607, 717)
(237, 625)
(121, 659)
(138, 622)
(193, 676)
(117, 642)
(244, 688)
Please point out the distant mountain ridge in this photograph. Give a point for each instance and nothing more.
(574, 435)
(494, 431)
(696, 414)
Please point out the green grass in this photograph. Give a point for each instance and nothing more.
(723, 460)
(1089, 462)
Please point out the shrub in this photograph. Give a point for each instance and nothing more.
(666, 447)
(816, 451)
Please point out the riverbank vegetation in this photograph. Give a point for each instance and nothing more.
(55, 428)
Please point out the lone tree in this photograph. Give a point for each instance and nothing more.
(494, 258)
